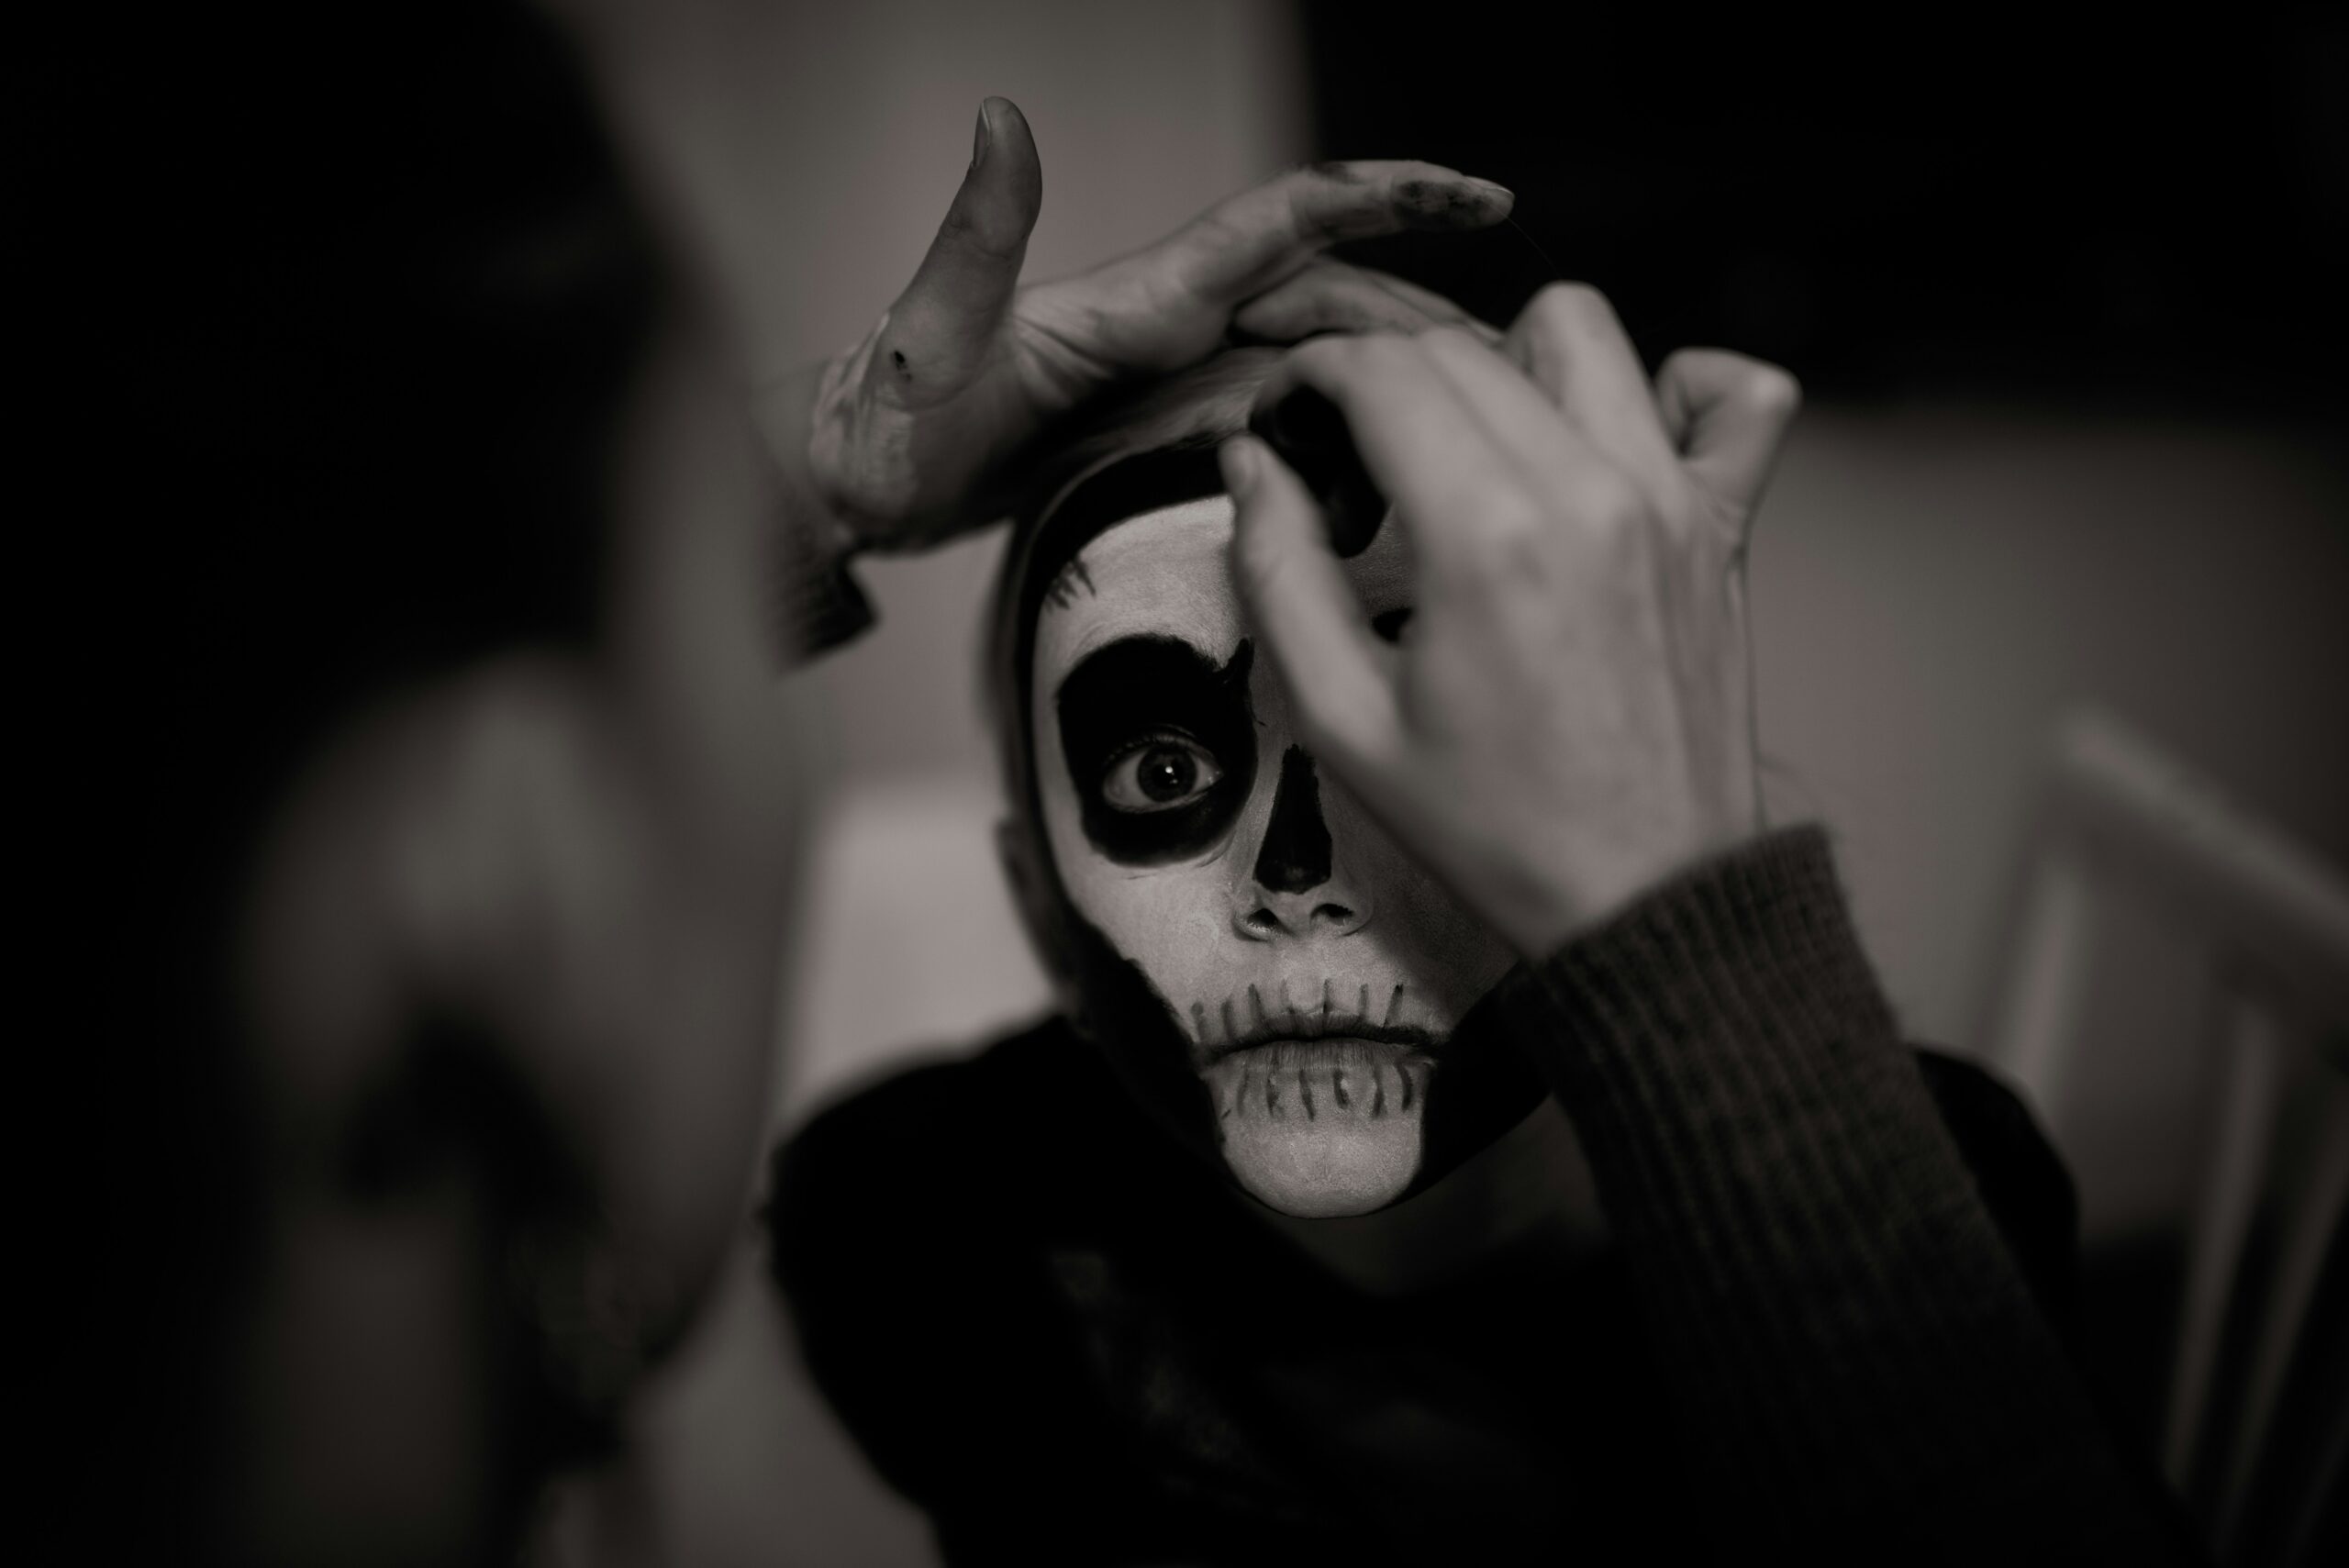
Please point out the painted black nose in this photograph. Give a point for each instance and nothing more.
(1296, 853)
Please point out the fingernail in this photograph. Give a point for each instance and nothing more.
(979, 139)
(1458, 203)
(1239, 459)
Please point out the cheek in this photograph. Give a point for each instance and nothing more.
(1437, 942)
(1174, 920)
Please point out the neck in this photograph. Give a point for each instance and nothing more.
(1529, 1195)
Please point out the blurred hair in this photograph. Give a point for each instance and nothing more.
(375, 296)
(378, 380)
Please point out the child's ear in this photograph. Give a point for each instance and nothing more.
(1035, 893)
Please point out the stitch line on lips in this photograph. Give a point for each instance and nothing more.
(1288, 1022)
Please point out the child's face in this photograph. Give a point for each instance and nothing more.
(1315, 972)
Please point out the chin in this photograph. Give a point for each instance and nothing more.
(1321, 1128)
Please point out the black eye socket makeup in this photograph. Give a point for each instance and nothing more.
(1160, 746)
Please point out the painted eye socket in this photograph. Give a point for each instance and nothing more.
(1160, 774)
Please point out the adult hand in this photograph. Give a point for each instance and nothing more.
(1569, 716)
(914, 428)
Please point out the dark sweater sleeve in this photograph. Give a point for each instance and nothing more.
(1856, 1358)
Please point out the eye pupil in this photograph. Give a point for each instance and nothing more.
(1166, 772)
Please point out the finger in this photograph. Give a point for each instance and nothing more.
(941, 328)
(1246, 243)
(1527, 427)
(1728, 415)
(1330, 295)
(1423, 445)
(1332, 665)
(1436, 306)
(1573, 347)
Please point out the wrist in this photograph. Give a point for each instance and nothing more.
(1551, 905)
(816, 603)
(784, 414)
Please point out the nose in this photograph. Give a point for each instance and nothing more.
(1294, 887)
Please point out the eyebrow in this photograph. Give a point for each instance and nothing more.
(1061, 591)
(1159, 658)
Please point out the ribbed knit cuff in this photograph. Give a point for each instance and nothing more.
(813, 602)
(817, 605)
(1848, 1335)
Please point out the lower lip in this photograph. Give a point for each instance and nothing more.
(1328, 1050)
(1336, 1081)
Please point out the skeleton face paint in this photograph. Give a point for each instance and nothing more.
(1314, 976)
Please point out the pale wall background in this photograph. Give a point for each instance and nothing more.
(1934, 587)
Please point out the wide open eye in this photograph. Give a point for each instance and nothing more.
(1160, 774)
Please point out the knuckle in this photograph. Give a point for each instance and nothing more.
(1511, 532)
(1319, 358)
(1381, 350)
(1611, 503)
(1683, 364)
(1572, 303)
(1452, 339)
(1511, 514)
(962, 231)
(1772, 389)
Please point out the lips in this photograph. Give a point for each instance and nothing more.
(1338, 1078)
(1249, 1020)
(1320, 1064)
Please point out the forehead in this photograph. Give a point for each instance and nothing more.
(1168, 573)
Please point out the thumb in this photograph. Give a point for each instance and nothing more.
(942, 327)
(1727, 415)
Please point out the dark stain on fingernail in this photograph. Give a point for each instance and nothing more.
(1444, 205)
(897, 358)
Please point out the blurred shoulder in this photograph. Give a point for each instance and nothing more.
(921, 1149)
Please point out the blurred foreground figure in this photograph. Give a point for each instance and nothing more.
(1470, 1134)
(470, 865)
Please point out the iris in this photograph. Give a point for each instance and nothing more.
(1163, 773)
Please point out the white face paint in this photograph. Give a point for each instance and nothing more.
(1315, 979)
